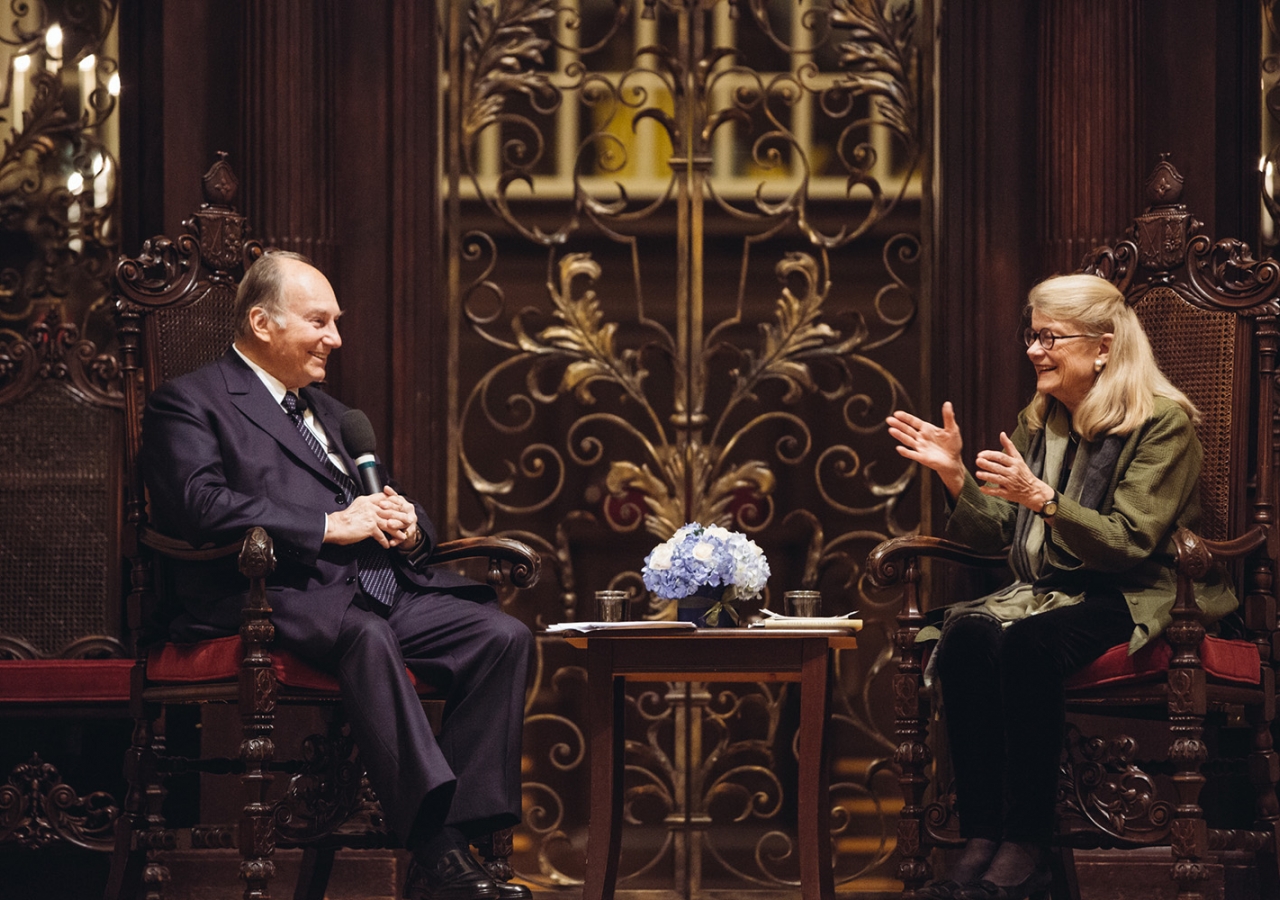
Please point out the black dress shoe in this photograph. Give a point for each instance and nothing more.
(509, 891)
(454, 876)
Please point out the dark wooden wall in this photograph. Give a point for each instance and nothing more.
(327, 111)
(1051, 115)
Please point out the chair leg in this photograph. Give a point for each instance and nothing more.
(1066, 885)
(495, 853)
(1262, 770)
(257, 750)
(1189, 833)
(313, 876)
(913, 756)
(140, 831)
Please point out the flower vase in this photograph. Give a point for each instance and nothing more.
(706, 600)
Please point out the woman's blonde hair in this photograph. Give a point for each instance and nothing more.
(1123, 396)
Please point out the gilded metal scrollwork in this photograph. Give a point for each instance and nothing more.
(624, 148)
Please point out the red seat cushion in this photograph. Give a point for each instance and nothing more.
(219, 660)
(53, 681)
(1229, 660)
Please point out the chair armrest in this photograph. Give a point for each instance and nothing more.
(889, 561)
(256, 552)
(525, 564)
(178, 549)
(1195, 555)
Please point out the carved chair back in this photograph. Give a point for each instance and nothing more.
(1210, 312)
(61, 413)
(174, 312)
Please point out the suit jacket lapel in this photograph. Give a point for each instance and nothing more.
(331, 423)
(251, 397)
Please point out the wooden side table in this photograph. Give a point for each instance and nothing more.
(717, 655)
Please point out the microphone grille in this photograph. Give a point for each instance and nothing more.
(357, 433)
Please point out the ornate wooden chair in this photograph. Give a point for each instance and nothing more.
(1210, 311)
(61, 654)
(174, 310)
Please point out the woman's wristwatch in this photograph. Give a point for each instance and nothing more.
(1050, 507)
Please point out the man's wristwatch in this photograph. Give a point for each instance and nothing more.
(414, 540)
(1050, 507)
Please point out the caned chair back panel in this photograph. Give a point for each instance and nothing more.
(60, 492)
(183, 338)
(1197, 350)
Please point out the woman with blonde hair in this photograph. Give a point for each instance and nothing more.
(1100, 472)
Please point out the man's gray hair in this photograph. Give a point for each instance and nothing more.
(263, 286)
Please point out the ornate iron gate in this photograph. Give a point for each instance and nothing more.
(684, 267)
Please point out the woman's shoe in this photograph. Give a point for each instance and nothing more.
(940, 889)
(1034, 885)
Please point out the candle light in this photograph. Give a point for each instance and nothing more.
(18, 90)
(53, 48)
(101, 182)
(75, 184)
(88, 81)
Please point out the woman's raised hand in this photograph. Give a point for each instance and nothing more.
(933, 447)
(1005, 474)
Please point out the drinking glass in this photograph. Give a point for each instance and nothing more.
(802, 603)
(611, 606)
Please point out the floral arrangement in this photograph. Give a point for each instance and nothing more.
(697, 557)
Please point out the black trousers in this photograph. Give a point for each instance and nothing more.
(470, 776)
(1004, 705)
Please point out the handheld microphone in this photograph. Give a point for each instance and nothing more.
(358, 438)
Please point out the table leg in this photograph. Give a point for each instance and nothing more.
(813, 800)
(605, 722)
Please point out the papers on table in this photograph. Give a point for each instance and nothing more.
(822, 623)
(589, 627)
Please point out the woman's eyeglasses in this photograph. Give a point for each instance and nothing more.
(1047, 337)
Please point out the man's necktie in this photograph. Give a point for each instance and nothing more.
(377, 576)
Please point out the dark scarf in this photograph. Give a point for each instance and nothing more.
(1100, 458)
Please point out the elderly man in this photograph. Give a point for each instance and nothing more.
(245, 441)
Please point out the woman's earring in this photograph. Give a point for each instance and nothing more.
(1097, 365)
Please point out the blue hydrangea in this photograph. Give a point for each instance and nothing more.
(699, 555)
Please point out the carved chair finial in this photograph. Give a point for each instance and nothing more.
(1164, 184)
(220, 183)
(1162, 232)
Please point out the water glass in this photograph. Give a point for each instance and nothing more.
(611, 606)
(802, 603)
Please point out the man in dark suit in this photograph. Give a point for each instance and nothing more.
(244, 441)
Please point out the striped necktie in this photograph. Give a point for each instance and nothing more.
(377, 575)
